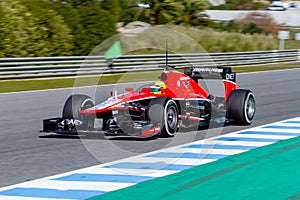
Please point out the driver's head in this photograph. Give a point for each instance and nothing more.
(159, 84)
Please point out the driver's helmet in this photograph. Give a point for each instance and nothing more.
(156, 87)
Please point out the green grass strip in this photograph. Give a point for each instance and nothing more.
(270, 172)
(41, 84)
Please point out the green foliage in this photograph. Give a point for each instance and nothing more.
(292, 44)
(43, 28)
(114, 8)
(252, 23)
(90, 25)
(252, 28)
(239, 5)
(180, 12)
(98, 26)
(186, 12)
(26, 33)
(229, 26)
(76, 3)
(130, 11)
(14, 29)
(256, 22)
(213, 41)
(158, 8)
(72, 19)
(55, 32)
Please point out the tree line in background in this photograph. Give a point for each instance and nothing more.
(75, 27)
(45, 28)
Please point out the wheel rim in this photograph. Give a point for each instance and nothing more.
(86, 104)
(172, 118)
(250, 107)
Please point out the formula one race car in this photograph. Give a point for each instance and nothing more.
(176, 100)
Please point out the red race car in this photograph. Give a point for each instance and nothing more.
(176, 100)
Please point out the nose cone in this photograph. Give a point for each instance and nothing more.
(88, 111)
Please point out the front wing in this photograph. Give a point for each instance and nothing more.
(74, 127)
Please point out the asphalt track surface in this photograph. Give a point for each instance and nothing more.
(24, 156)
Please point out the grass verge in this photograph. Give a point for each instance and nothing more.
(41, 84)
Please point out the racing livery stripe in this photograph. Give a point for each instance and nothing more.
(100, 179)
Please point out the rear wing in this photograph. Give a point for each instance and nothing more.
(228, 77)
(210, 73)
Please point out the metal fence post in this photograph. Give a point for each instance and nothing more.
(274, 55)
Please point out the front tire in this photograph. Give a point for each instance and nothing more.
(76, 103)
(241, 106)
(165, 111)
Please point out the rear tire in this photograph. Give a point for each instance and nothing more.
(241, 106)
(76, 103)
(164, 111)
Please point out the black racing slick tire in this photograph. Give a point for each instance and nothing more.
(164, 111)
(76, 103)
(241, 107)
